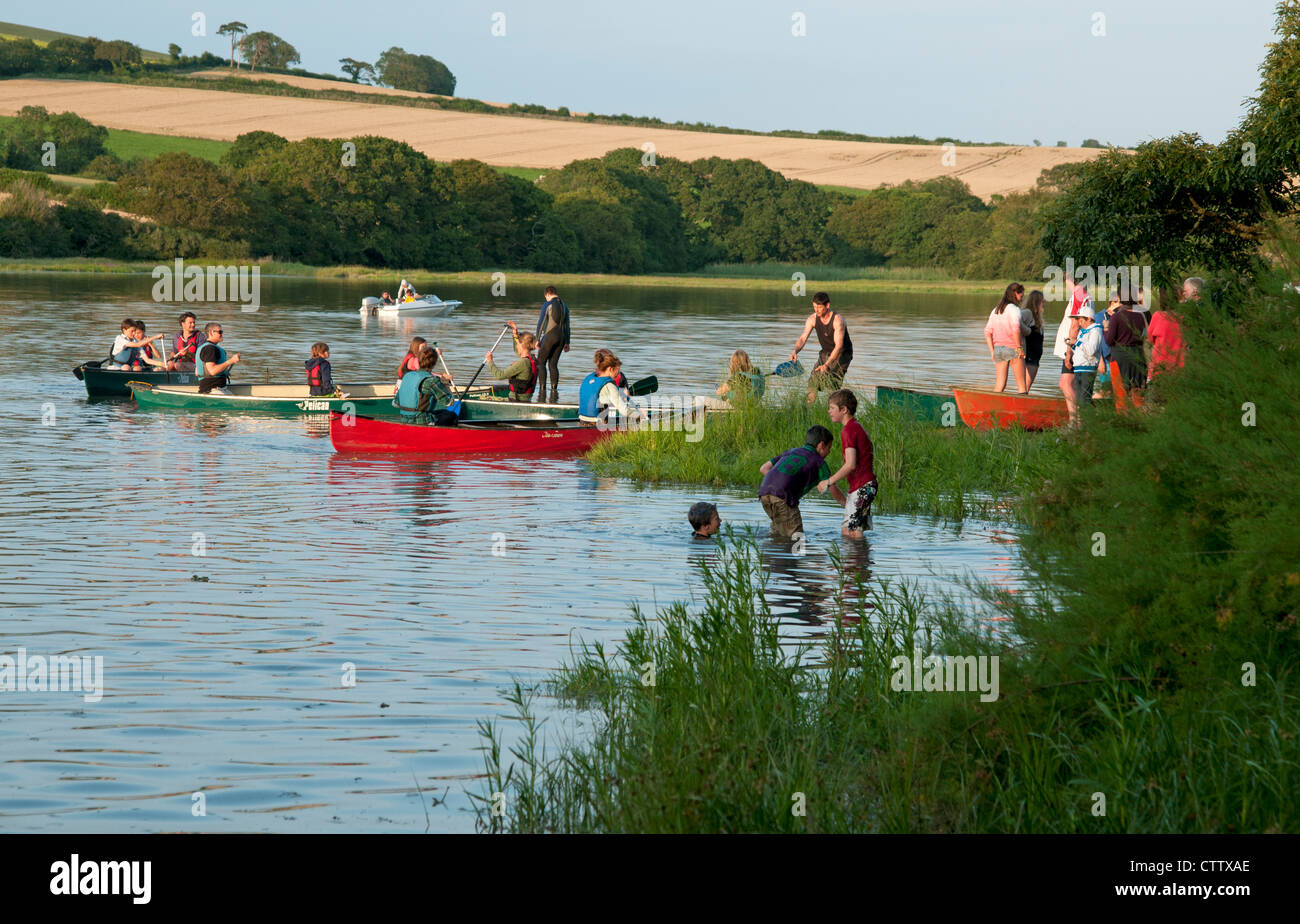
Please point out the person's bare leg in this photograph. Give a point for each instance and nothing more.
(1067, 389)
(1000, 376)
(1031, 373)
(1022, 378)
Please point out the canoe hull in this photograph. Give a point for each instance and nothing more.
(987, 410)
(931, 407)
(368, 399)
(368, 435)
(111, 383)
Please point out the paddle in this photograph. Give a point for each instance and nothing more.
(788, 369)
(450, 378)
(455, 405)
(646, 386)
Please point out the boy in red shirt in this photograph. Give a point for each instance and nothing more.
(857, 467)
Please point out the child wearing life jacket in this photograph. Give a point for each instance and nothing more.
(422, 397)
(125, 352)
(742, 379)
(601, 358)
(147, 354)
(600, 400)
(522, 373)
(319, 381)
(411, 361)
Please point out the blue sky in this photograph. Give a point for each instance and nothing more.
(1010, 71)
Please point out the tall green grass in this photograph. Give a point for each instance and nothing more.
(949, 472)
(1147, 681)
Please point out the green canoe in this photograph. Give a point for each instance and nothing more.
(936, 408)
(371, 399)
(504, 409)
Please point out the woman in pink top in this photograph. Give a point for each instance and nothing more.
(1002, 334)
(1166, 335)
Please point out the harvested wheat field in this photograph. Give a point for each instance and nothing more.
(517, 141)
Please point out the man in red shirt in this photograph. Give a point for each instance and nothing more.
(857, 467)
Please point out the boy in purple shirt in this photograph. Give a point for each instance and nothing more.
(791, 475)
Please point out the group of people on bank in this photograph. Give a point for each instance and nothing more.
(1142, 343)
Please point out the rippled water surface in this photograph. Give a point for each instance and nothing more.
(441, 581)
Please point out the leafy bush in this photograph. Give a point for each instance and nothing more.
(76, 141)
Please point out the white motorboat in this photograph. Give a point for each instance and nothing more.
(425, 306)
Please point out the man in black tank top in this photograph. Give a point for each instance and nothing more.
(836, 347)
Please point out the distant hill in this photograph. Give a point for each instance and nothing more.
(13, 30)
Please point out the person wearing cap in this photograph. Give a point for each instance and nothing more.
(1088, 343)
(1124, 334)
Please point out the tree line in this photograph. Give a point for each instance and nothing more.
(379, 202)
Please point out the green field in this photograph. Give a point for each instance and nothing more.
(130, 145)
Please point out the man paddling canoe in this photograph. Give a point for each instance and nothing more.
(213, 364)
(836, 347)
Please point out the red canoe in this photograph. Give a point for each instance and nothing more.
(984, 410)
(368, 434)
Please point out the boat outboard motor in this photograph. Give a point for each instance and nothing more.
(370, 305)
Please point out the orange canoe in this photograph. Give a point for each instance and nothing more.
(985, 410)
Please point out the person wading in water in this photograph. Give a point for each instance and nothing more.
(553, 339)
(836, 347)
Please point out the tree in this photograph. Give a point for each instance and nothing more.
(397, 68)
(1181, 202)
(19, 56)
(64, 55)
(267, 49)
(1090, 143)
(117, 53)
(234, 30)
(393, 207)
(183, 191)
(500, 212)
(76, 141)
(619, 176)
(249, 146)
(355, 69)
(175, 51)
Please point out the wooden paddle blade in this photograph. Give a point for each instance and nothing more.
(646, 386)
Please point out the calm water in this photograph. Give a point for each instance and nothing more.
(440, 581)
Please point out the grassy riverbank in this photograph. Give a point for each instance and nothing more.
(950, 472)
(773, 277)
(1146, 670)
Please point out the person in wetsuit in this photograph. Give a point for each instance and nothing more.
(836, 347)
(552, 339)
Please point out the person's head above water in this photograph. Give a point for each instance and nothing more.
(704, 518)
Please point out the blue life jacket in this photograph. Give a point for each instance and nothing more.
(200, 370)
(756, 383)
(589, 394)
(408, 393)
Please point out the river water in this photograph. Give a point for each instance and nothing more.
(235, 574)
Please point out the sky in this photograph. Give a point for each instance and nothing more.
(1011, 71)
